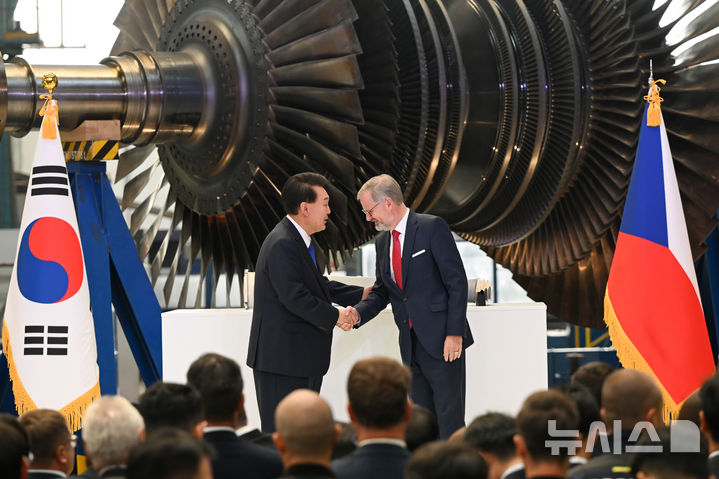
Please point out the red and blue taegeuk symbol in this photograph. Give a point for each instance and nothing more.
(49, 263)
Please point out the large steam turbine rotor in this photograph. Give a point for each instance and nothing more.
(515, 120)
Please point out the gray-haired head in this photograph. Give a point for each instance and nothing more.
(381, 187)
(112, 426)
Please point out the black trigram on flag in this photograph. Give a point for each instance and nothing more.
(49, 180)
(36, 338)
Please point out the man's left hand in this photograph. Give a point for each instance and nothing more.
(452, 348)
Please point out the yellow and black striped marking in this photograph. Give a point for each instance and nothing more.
(98, 150)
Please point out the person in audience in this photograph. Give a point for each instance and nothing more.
(347, 441)
(172, 405)
(492, 435)
(689, 410)
(629, 397)
(588, 410)
(379, 409)
(305, 436)
(421, 428)
(51, 443)
(709, 420)
(219, 381)
(671, 460)
(443, 460)
(170, 453)
(111, 428)
(534, 441)
(592, 376)
(14, 448)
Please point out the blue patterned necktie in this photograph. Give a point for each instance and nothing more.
(311, 249)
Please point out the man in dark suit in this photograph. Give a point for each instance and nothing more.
(534, 443)
(420, 272)
(219, 381)
(492, 435)
(112, 426)
(378, 406)
(293, 316)
(709, 420)
(51, 443)
(306, 434)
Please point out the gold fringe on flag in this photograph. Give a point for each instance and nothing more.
(73, 412)
(631, 358)
(654, 113)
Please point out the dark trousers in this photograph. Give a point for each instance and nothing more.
(271, 388)
(438, 386)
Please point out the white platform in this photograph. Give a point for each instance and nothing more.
(507, 362)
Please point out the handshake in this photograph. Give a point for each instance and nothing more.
(347, 318)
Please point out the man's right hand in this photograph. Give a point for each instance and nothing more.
(347, 318)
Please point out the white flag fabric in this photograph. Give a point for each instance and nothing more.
(48, 331)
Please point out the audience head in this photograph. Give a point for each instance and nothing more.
(172, 405)
(709, 414)
(111, 428)
(14, 448)
(440, 460)
(592, 376)
(587, 406)
(301, 188)
(492, 435)
(219, 381)
(668, 463)
(51, 442)
(533, 426)
(306, 432)
(630, 396)
(170, 453)
(377, 390)
(421, 428)
(690, 408)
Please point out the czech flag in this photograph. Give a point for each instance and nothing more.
(48, 332)
(652, 305)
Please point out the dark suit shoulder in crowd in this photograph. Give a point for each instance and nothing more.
(375, 461)
(44, 475)
(606, 466)
(259, 438)
(714, 466)
(89, 474)
(516, 474)
(237, 458)
(308, 471)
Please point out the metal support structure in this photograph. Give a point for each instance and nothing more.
(115, 277)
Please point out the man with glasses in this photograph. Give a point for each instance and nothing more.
(420, 272)
(51, 443)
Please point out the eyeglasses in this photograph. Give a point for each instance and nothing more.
(73, 441)
(369, 211)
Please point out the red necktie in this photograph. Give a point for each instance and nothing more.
(397, 262)
(396, 258)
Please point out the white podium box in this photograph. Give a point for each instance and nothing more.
(507, 362)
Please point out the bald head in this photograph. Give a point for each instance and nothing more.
(305, 427)
(630, 396)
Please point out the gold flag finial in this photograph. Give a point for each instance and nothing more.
(49, 82)
(49, 108)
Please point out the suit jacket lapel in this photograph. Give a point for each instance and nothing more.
(409, 235)
(306, 256)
